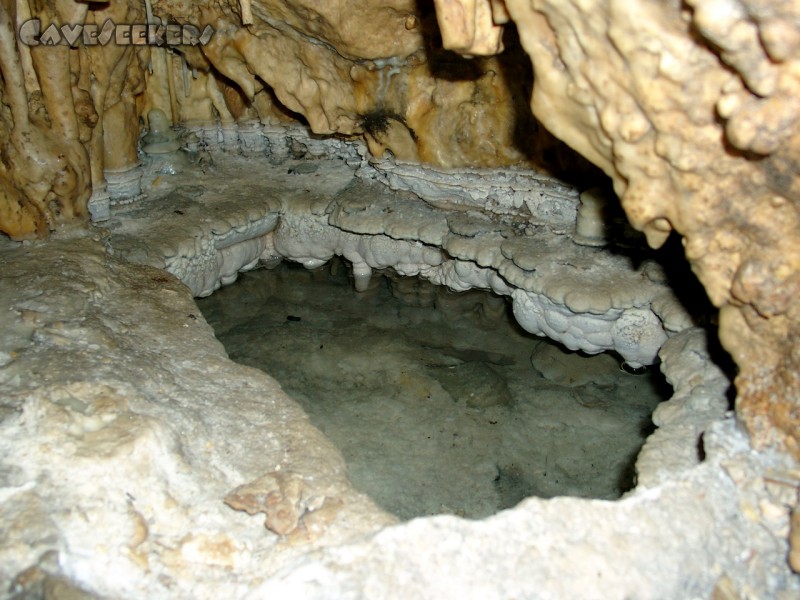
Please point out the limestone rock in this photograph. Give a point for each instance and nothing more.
(283, 497)
(716, 80)
(105, 429)
(111, 419)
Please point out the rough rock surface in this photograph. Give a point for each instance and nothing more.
(607, 549)
(203, 232)
(706, 147)
(122, 414)
(690, 109)
(71, 117)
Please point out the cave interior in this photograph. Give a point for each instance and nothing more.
(408, 298)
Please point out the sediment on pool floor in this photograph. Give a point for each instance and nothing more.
(439, 402)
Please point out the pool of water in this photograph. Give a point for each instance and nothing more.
(438, 401)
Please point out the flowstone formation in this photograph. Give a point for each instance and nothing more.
(364, 136)
(691, 109)
(72, 116)
(69, 118)
(588, 299)
(208, 479)
(688, 108)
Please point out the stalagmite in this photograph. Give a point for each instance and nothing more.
(590, 228)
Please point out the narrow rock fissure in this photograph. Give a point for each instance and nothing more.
(439, 401)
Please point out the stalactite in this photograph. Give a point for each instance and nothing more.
(31, 81)
(247, 12)
(11, 66)
(22, 214)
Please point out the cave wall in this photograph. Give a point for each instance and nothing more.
(690, 108)
(72, 116)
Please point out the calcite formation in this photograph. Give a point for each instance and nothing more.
(131, 388)
(586, 299)
(690, 108)
(265, 61)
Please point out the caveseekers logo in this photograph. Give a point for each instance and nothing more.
(31, 34)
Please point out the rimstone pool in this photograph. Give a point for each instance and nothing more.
(535, 161)
(438, 400)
